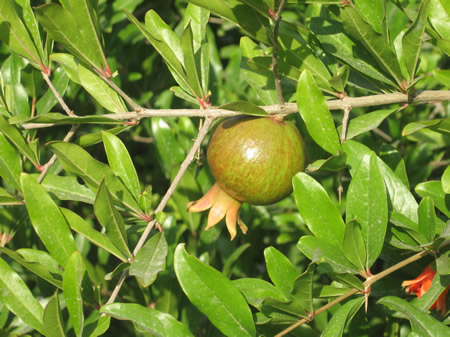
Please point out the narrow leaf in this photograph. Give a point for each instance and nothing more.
(329, 255)
(15, 137)
(367, 204)
(213, 294)
(47, 220)
(40, 269)
(186, 42)
(412, 40)
(281, 271)
(355, 249)
(110, 218)
(53, 322)
(302, 290)
(17, 297)
(159, 324)
(150, 260)
(315, 113)
(256, 290)
(335, 327)
(100, 90)
(320, 215)
(10, 163)
(427, 218)
(375, 43)
(120, 162)
(244, 107)
(434, 190)
(16, 35)
(99, 239)
(446, 180)
(61, 119)
(422, 323)
(72, 279)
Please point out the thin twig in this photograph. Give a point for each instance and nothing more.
(347, 110)
(276, 24)
(57, 95)
(427, 96)
(52, 160)
(367, 284)
(187, 161)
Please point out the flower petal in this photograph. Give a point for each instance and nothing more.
(206, 201)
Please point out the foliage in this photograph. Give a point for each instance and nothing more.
(99, 107)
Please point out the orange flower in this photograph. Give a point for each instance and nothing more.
(420, 286)
(221, 205)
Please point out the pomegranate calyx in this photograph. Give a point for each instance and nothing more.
(221, 205)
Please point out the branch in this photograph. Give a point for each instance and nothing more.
(367, 284)
(426, 96)
(187, 161)
(57, 95)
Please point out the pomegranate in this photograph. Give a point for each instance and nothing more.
(253, 160)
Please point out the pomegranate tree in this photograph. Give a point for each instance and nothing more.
(253, 160)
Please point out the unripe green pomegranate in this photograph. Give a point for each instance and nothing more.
(253, 160)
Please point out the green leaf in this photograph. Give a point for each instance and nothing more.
(78, 161)
(85, 15)
(367, 204)
(246, 17)
(65, 27)
(159, 324)
(439, 17)
(10, 163)
(66, 188)
(374, 12)
(120, 162)
(302, 290)
(96, 326)
(99, 239)
(110, 218)
(439, 125)
(329, 255)
(335, 327)
(399, 195)
(47, 220)
(295, 52)
(256, 291)
(261, 80)
(233, 258)
(427, 218)
(17, 297)
(53, 322)
(336, 42)
(375, 43)
(282, 311)
(434, 190)
(150, 260)
(366, 122)
(315, 113)
(19, 37)
(214, 295)
(281, 271)
(446, 180)
(319, 213)
(443, 263)
(244, 107)
(37, 267)
(101, 91)
(72, 279)
(15, 137)
(412, 40)
(198, 18)
(355, 249)
(393, 158)
(61, 119)
(186, 42)
(339, 80)
(333, 163)
(422, 323)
